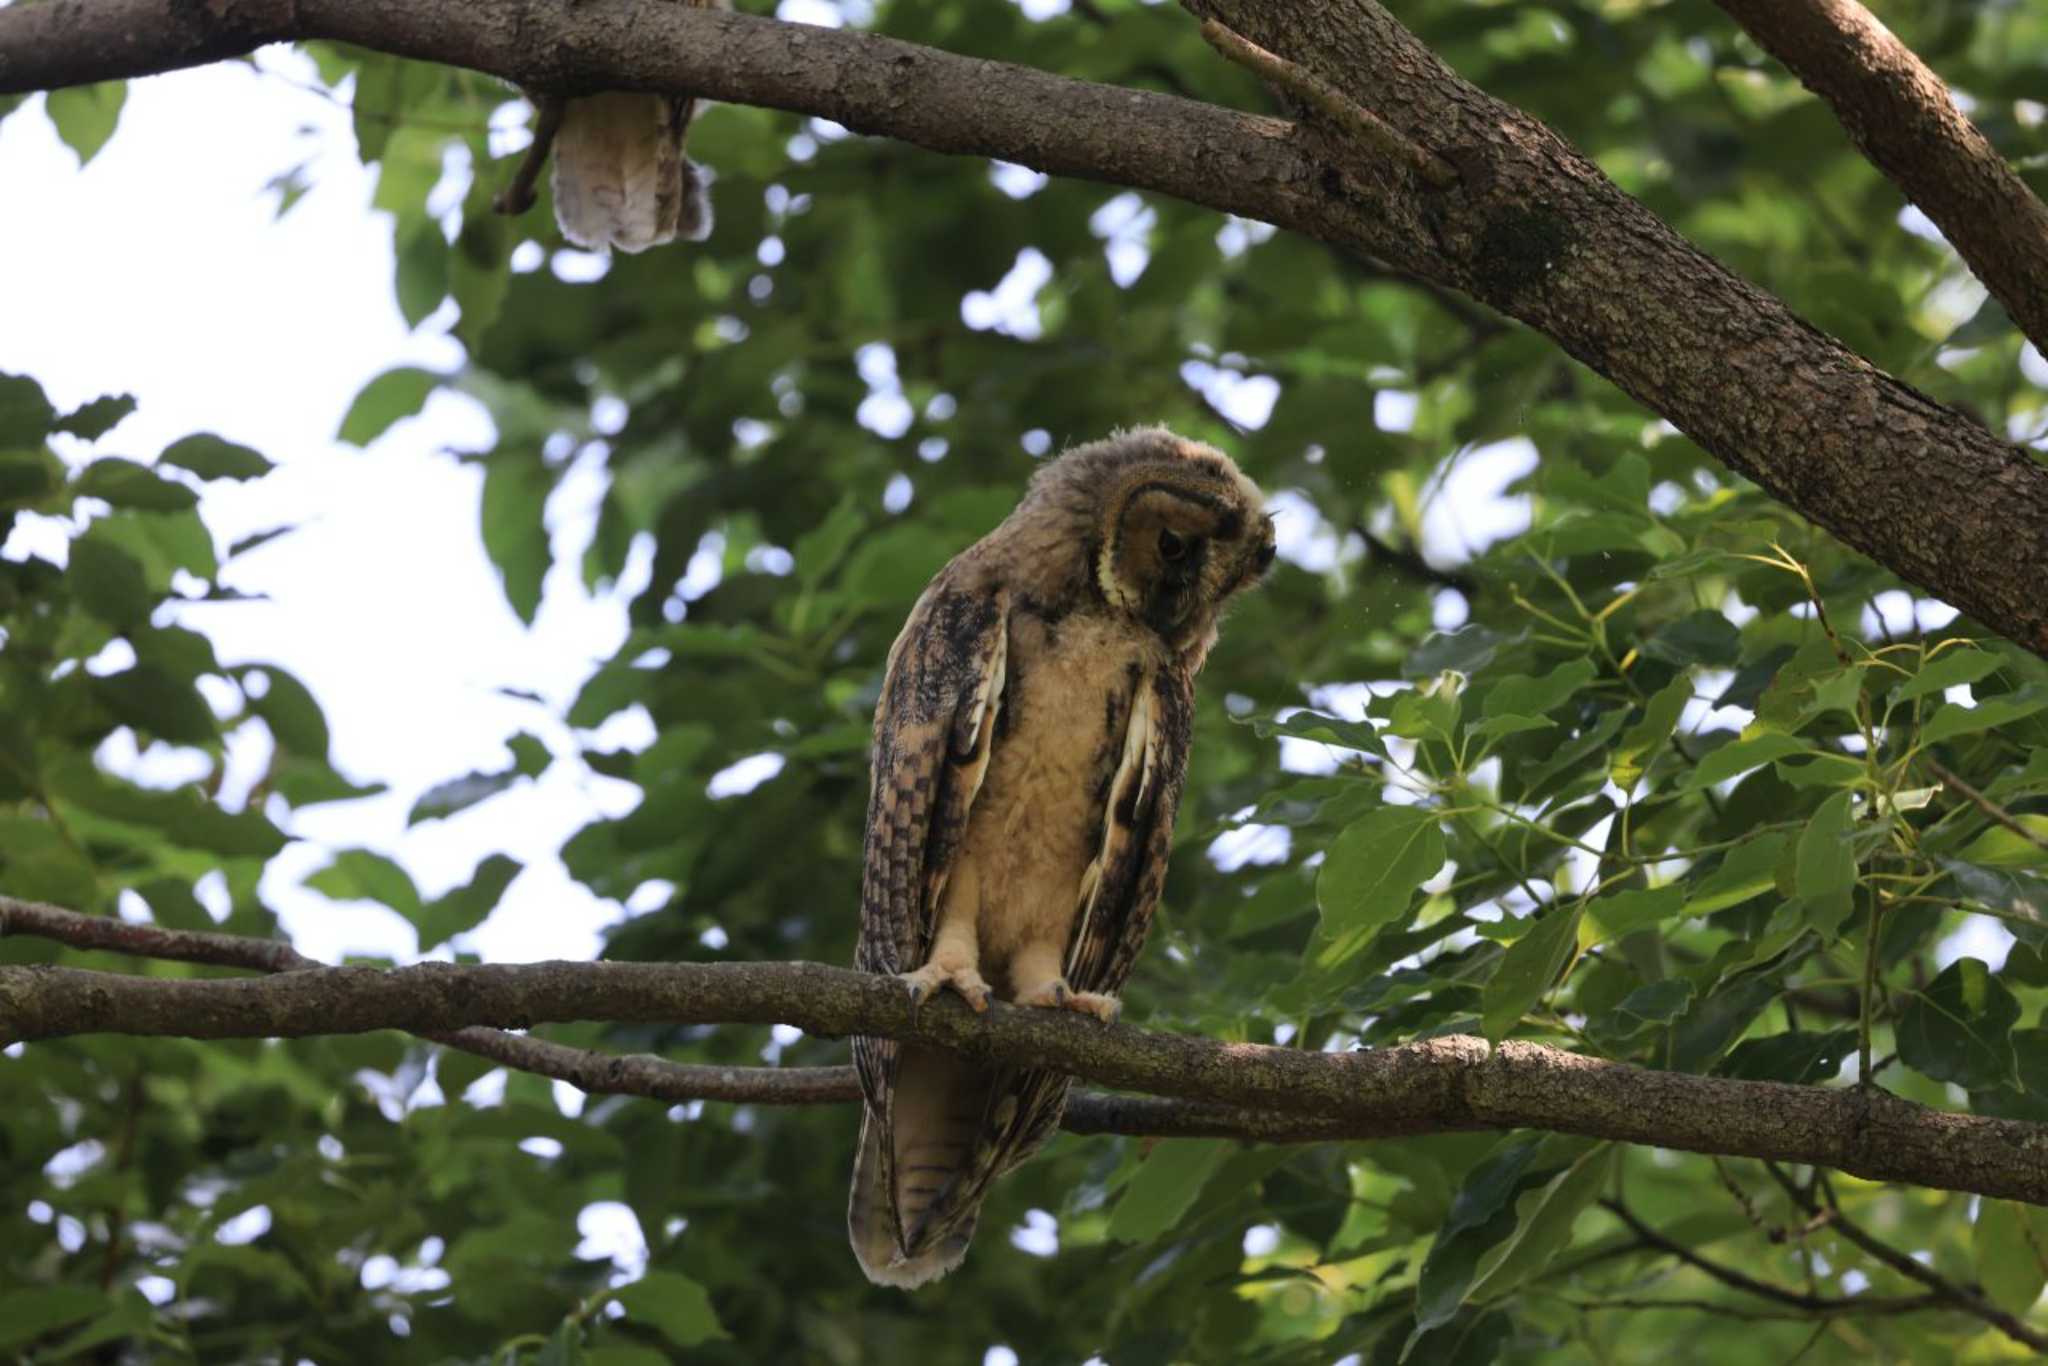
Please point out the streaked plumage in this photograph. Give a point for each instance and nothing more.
(621, 178)
(1029, 750)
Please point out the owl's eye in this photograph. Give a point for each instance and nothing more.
(1265, 559)
(1171, 546)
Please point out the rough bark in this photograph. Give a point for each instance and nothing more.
(1531, 227)
(1441, 1084)
(1900, 116)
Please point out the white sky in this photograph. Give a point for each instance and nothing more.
(160, 270)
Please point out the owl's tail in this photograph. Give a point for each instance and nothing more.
(921, 1188)
(621, 179)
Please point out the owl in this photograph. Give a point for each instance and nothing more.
(1029, 748)
(621, 179)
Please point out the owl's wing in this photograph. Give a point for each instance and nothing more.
(1121, 886)
(934, 732)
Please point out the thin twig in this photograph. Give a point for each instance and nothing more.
(1777, 1294)
(517, 196)
(1983, 803)
(1858, 1305)
(1954, 1295)
(1369, 128)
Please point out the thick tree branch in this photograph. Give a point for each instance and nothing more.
(1531, 228)
(658, 1078)
(1447, 1083)
(1900, 115)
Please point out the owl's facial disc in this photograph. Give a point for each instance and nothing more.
(1185, 537)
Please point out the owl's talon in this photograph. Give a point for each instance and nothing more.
(1057, 995)
(965, 981)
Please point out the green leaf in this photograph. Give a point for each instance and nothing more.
(1796, 1056)
(1466, 650)
(674, 1304)
(1748, 870)
(2002, 847)
(1481, 1217)
(126, 484)
(531, 756)
(2010, 1246)
(1654, 1005)
(1824, 877)
(86, 115)
(1958, 1029)
(564, 1346)
(1623, 913)
(1529, 968)
(213, 457)
(1701, 638)
(91, 421)
(398, 393)
(479, 275)
(1522, 695)
(1953, 719)
(2010, 893)
(819, 550)
(469, 905)
(459, 794)
(516, 488)
(1740, 756)
(1949, 669)
(1374, 867)
(109, 582)
(26, 417)
(1544, 1220)
(1164, 1187)
(360, 875)
(288, 708)
(1639, 743)
(158, 704)
(1717, 1020)
(624, 1354)
(26, 1315)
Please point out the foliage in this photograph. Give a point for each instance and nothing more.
(1678, 788)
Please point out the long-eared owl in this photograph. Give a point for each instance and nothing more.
(1029, 749)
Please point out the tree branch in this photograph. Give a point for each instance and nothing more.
(1900, 116)
(1819, 1305)
(1964, 1298)
(657, 1078)
(1442, 1084)
(1532, 228)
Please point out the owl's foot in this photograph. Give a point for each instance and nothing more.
(1057, 995)
(963, 978)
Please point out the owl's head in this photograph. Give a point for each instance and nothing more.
(1174, 528)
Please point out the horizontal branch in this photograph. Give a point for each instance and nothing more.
(1531, 227)
(1439, 1084)
(1901, 116)
(657, 1078)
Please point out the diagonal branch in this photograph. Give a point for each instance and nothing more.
(1441, 1084)
(1531, 228)
(1818, 1305)
(1900, 116)
(1965, 1298)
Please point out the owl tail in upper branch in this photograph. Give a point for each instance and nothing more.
(621, 179)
